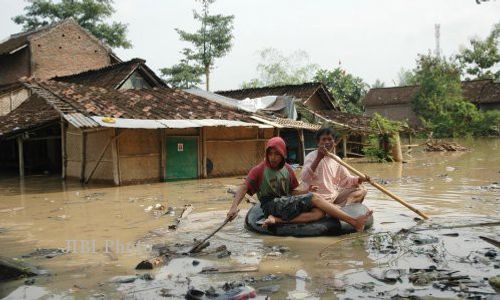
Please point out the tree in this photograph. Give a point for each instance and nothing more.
(277, 69)
(481, 60)
(347, 89)
(406, 77)
(439, 101)
(183, 75)
(378, 84)
(211, 41)
(90, 14)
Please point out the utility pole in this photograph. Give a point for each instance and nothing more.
(437, 36)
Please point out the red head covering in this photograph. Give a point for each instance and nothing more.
(278, 144)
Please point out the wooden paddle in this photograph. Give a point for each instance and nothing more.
(378, 186)
(193, 250)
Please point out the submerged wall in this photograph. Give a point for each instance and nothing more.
(234, 151)
(139, 155)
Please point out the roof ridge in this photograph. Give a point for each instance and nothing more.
(105, 68)
(273, 87)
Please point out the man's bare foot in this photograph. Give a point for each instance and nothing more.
(359, 225)
(270, 221)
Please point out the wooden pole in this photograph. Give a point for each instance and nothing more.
(397, 154)
(209, 236)
(115, 158)
(379, 187)
(101, 156)
(344, 145)
(20, 150)
(302, 146)
(204, 170)
(63, 150)
(83, 154)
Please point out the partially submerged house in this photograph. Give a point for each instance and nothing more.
(59, 49)
(127, 136)
(298, 133)
(395, 102)
(315, 108)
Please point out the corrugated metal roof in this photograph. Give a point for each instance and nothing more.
(155, 124)
(80, 121)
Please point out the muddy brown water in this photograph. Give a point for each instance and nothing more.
(43, 212)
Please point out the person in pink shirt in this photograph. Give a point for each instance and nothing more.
(333, 181)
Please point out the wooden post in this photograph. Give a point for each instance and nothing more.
(20, 149)
(344, 145)
(63, 149)
(163, 154)
(302, 146)
(100, 157)
(204, 171)
(397, 154)
(83, 155)
(116, 158)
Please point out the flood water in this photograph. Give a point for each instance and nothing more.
(43, 212)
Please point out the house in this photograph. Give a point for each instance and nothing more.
(315, 107)
(395, 102)
(128, 136)
(59, 49)
(298, 134)
(313, 94)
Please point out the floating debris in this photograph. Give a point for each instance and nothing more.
(440, 146)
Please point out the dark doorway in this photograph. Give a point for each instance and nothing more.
(42, 152)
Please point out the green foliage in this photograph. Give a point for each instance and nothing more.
(381, 138)
(439, 101)
(487, 123)
(211, 41)
(347, 89)
(90, 14)
(406, 77)
(378, 84)
(183, 75)
(480, 61)
(277, 69)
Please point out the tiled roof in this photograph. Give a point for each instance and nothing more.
(33, 112)
(113, 76)
(392, 95)
(158, 103)
(300, 91)
(490, 93)
(476, 91)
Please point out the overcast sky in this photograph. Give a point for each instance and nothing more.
(372, 39)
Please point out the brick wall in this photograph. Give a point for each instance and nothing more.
(14, 66)
(400, 112)
(66, 49)
(9, 101)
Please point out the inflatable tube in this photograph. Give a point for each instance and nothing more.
(325, 227)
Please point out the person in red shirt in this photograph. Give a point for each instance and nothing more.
(275, 184)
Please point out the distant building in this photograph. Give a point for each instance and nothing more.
(59, 49)
(395, 102)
